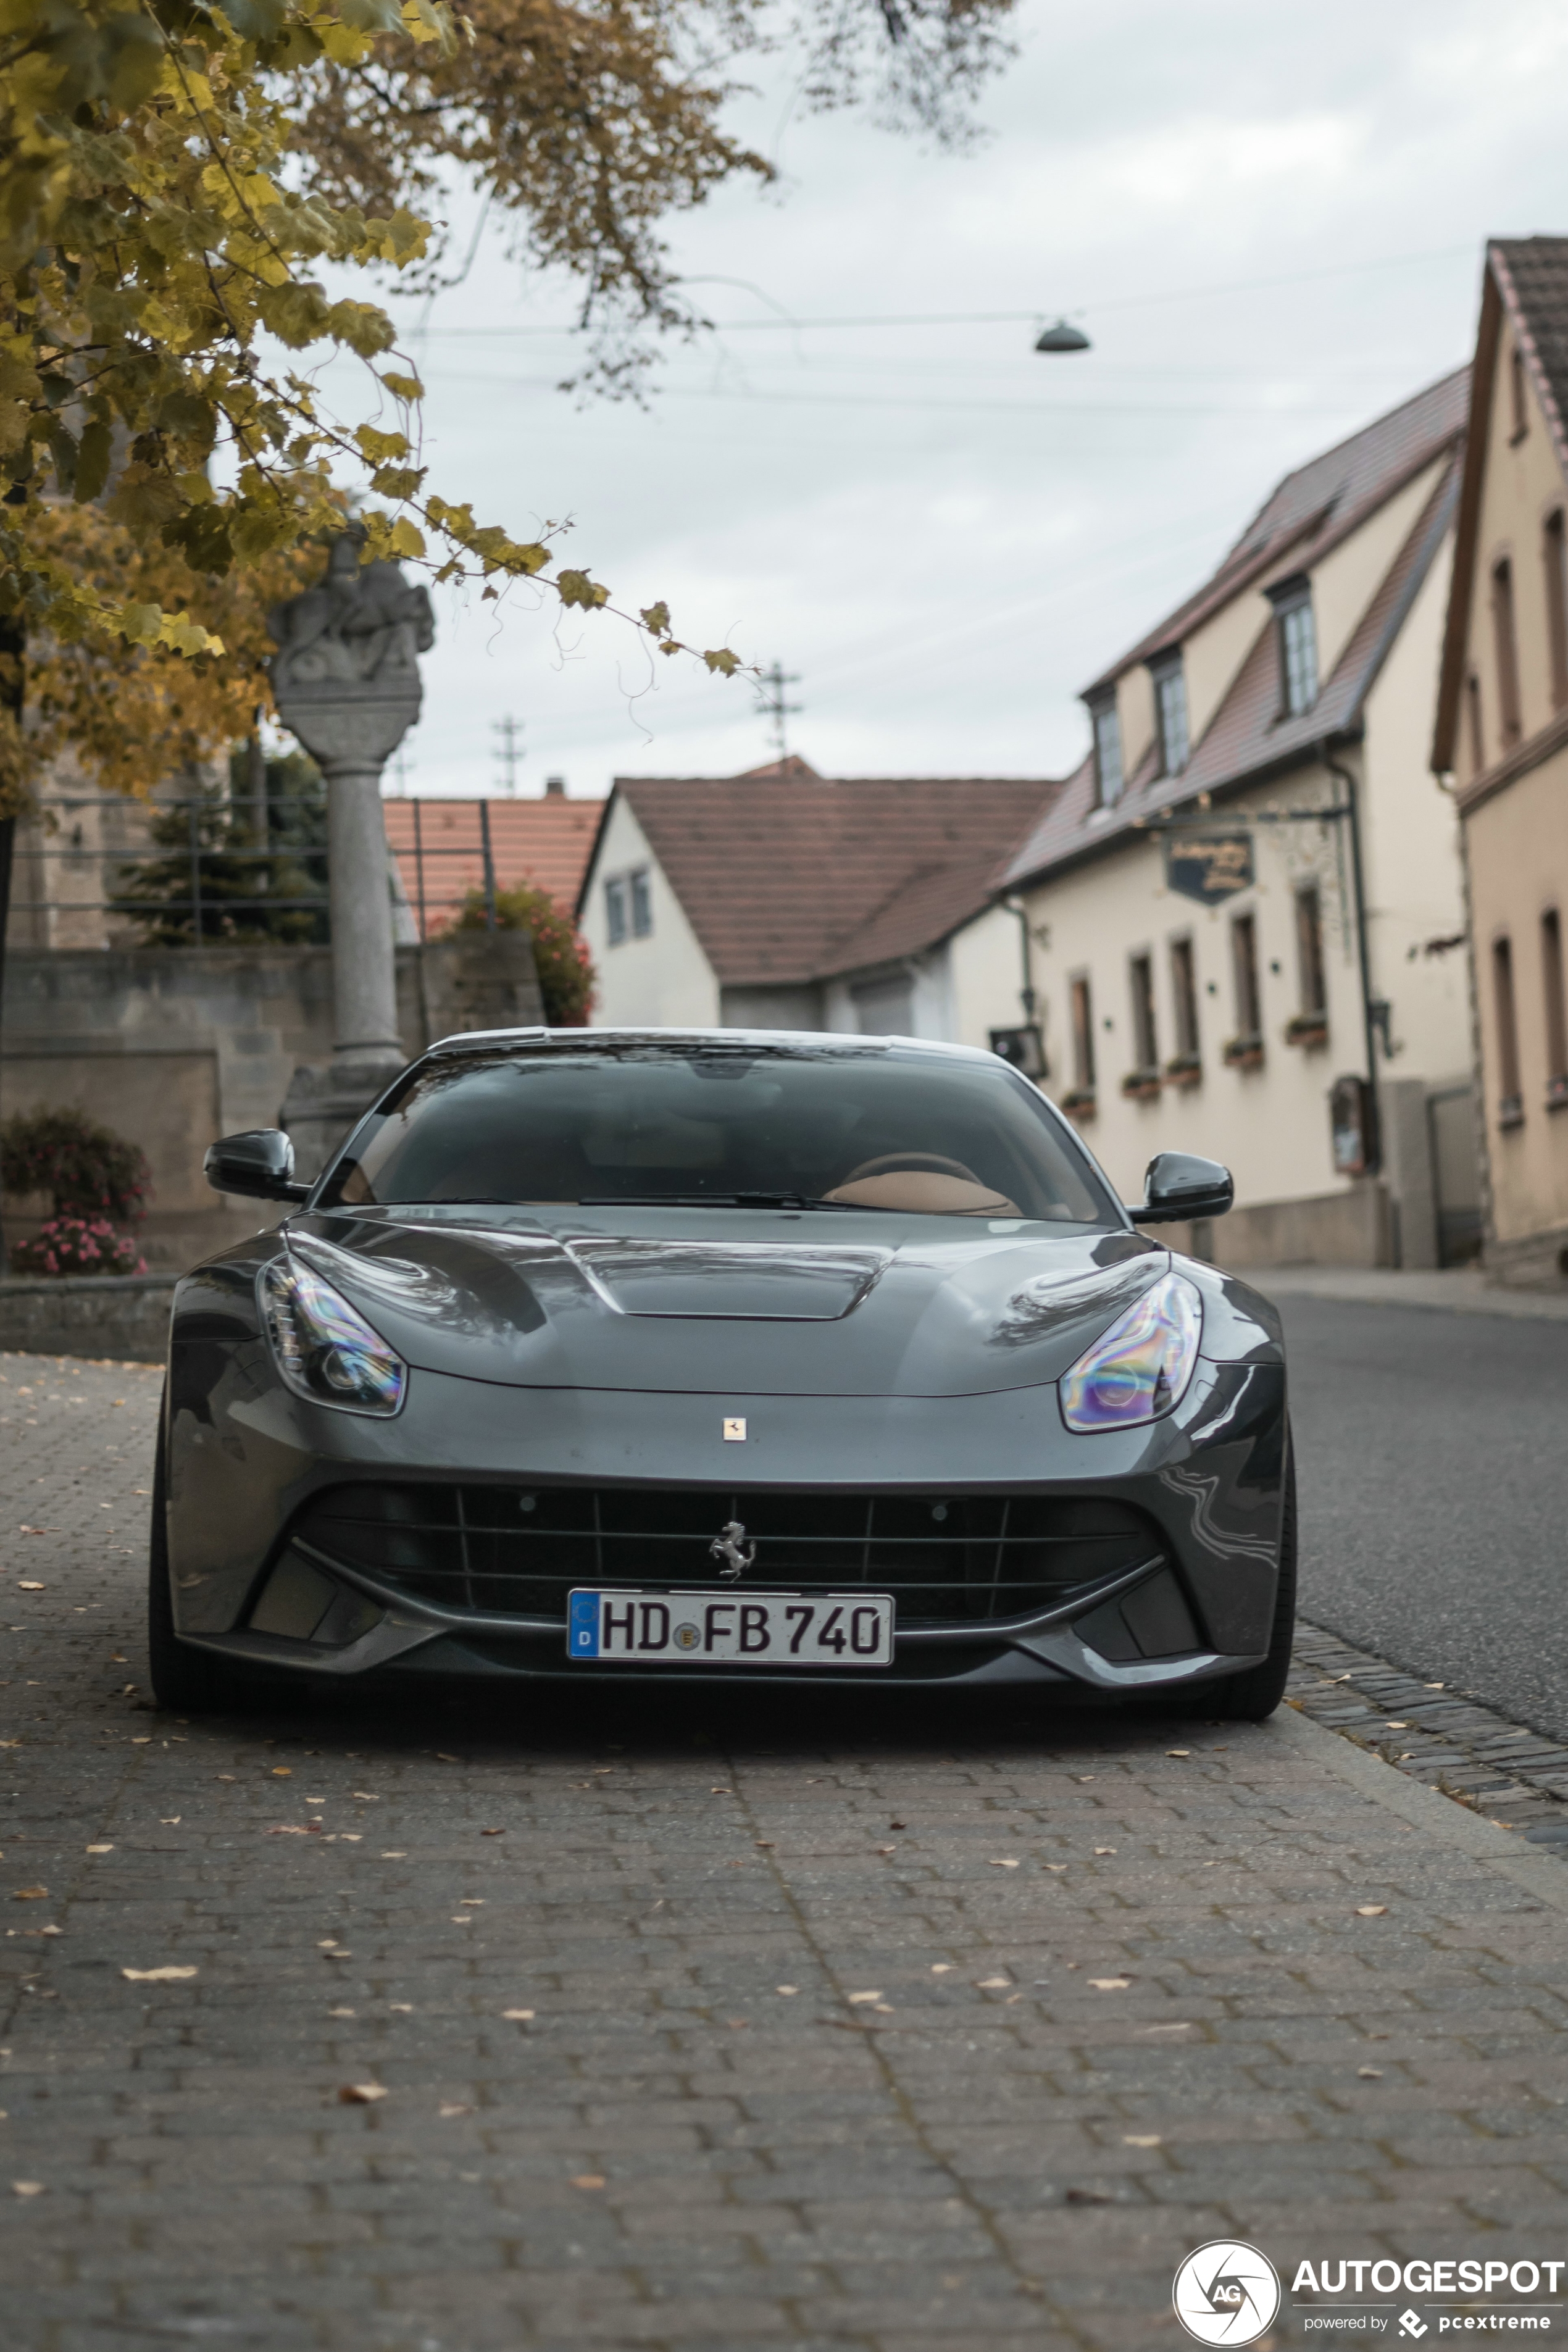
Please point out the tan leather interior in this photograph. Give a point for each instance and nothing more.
(924, 1191)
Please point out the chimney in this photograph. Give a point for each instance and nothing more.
(555, 788)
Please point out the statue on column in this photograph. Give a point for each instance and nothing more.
(360, 625)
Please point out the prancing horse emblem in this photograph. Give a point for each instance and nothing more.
(731, 1546)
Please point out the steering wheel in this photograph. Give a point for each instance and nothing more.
(912, 1160)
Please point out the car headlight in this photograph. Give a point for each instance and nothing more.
(1141, 1366)
(325, 1348)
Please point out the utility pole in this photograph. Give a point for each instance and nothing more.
(778, 679)
(510, 728)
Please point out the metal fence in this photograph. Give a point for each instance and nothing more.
(197, 872)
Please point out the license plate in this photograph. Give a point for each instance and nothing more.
(771, 1629)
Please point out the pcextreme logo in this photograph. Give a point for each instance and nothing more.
(1227, 2292)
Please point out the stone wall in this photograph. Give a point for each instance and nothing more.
(121, 1318)
(174, 1046)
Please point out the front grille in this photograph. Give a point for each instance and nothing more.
(513, 1550)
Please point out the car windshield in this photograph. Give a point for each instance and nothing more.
(851, 1129)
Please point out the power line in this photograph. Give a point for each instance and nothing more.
(786, 323)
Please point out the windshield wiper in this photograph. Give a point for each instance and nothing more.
(713, 1201)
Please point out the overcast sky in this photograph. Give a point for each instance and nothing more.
(945, 536)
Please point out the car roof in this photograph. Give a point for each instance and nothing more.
(848, 1041)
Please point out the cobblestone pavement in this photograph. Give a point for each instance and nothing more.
(703, 2026)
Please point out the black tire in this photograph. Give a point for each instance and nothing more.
(1252, 1696)
(185, 1680)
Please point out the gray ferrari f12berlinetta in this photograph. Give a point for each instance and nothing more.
(723, 1355)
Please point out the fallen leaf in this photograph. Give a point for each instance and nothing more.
(26, 2189)
(24, 1585)
(361, 2094)
(366, 1798)
(853, 1997)
(720, 1792)
(1003, 1861)
(587, 2181)
(941, 1967)
(402, 2008)
(1105, 1849)
(446, 1760)
(993, 1984)
(881, 1849)
(1056, 1866)
(1142, 2139)
(29, 1894)
(100, 1849)
(462, 1919)
(10, 1743)
(492, 1832)
(146, 1740)
(1396, 1727)
(296, 1829)
(476, 1902)
(1370, 2073)
(398, 1853)
(1086, 2197)
(157, 1976)
(1370, 1910)
(519, 2016)
(453, 2108)
(169, 1820)
(339, 2012)
(223, 1776)
(282, 1772)
(788, 1990)
(1170, 1751)
(1181, 2025)
(768, 1842)
(897, 1825)
(1111, 1984)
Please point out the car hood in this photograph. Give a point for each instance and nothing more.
(768, 1305)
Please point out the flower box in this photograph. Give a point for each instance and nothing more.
(1142, 1085)
(1079, 1103)
(1309, 1030)
(1244, 1053)
(1184, 1071)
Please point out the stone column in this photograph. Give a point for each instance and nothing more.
(346, 682)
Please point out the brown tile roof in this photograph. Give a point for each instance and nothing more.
(1527, 281)
(1318, 505)
(805, 879)
(547, 842)
(1247, 737)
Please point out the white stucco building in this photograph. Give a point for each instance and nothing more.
(782, 899)
(1246, 905)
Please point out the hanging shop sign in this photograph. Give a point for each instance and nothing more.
(1208, 867)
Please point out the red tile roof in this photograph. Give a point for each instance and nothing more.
(788, 877)
(547, 842)
(1247, 737)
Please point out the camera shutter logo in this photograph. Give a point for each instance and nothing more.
(1227, 2292)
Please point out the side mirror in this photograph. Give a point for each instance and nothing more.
(1179, 1186)
(259, 1164)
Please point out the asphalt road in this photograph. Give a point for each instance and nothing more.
(1432, 1452)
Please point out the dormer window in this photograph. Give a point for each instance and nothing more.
(1170, 709)
(1292, 602)
(1107, 750)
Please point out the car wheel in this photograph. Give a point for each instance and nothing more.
(185, 1680)
(1249, 1697)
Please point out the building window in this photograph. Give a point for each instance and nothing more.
(1184, 998)
(1145, 1042)
(1107, 751)
(1473, 705)
(1553, 553)
(1298, 647)
(1082, 1036)
(616, 909)
(1510, 1102)
(1309, 950)
(1557, 1015)
(1244, 964)
(1506, 652)
(1170, 707)
(641, 885)
(1520, 399)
